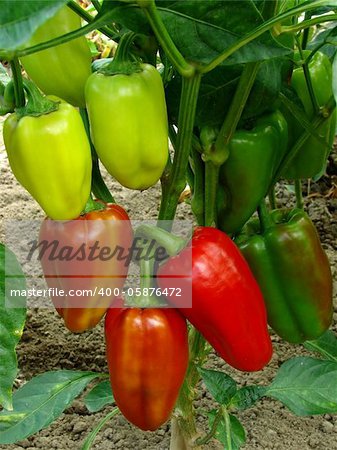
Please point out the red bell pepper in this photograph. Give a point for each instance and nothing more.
(147, 353)
(227, 304)
(75, 258)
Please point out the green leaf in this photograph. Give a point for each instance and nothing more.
(247, 396)
(19, 20)
(99, 396)
(326, 345)
(306, 386)
(234, 429)
(12, 321)
(202, 30)
(220, 385)
(40, 401)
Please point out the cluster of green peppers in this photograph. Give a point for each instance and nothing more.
(284, 254)
(48, 149)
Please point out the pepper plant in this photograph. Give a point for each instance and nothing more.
(245, 91)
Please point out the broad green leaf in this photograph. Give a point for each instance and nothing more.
(40, 401)
(217, 90)
(306, 386)
(326, 345)
(232, 431)
(221, 386)
(247, 396)
(12, 321)
(99, 396)
(201, 30)
(19, 20)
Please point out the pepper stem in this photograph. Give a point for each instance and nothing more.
(98, 186)
(211, 186)
(19, 93)
(37, 104)
(122, 63)
(172, 244)
(299, 196)
(264, 216)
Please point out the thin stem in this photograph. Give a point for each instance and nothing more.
(37, 103)
(238, 103)
(272, 198)
(306, 71)
(146, 299)
(89, 18)
(299, 196)
(92, 436)
(95, 24)
(264, 217)
(204, 440)
(19, 93)
(228, 428)
(173, 244)
(184, 406)
(307, 24)
(96, 5)
(174, 184)
(266, 26)
(185, 69)
(305, 34)
(98, 186)
(211, 186)
(198, 200)
(122, 63)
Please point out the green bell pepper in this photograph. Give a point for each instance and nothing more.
(293, 272)
(311, 159)
(128, 124)
(64, 69)
(49, 154)
(254, 155)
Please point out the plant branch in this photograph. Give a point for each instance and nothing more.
(175, 182)
(307, 23)
(238, 103)
(204, 440)
(183, 67)
(89, 18)
(19, 93)
(227, 427)
(95, 24)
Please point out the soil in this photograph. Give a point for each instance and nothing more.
(46, 344)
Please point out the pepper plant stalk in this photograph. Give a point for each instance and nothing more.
(19, 94)
(198, 200)
(174, 184)
(98, 186)
(183, 67)
(307, 76)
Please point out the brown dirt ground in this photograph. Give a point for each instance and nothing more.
(47, 345)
